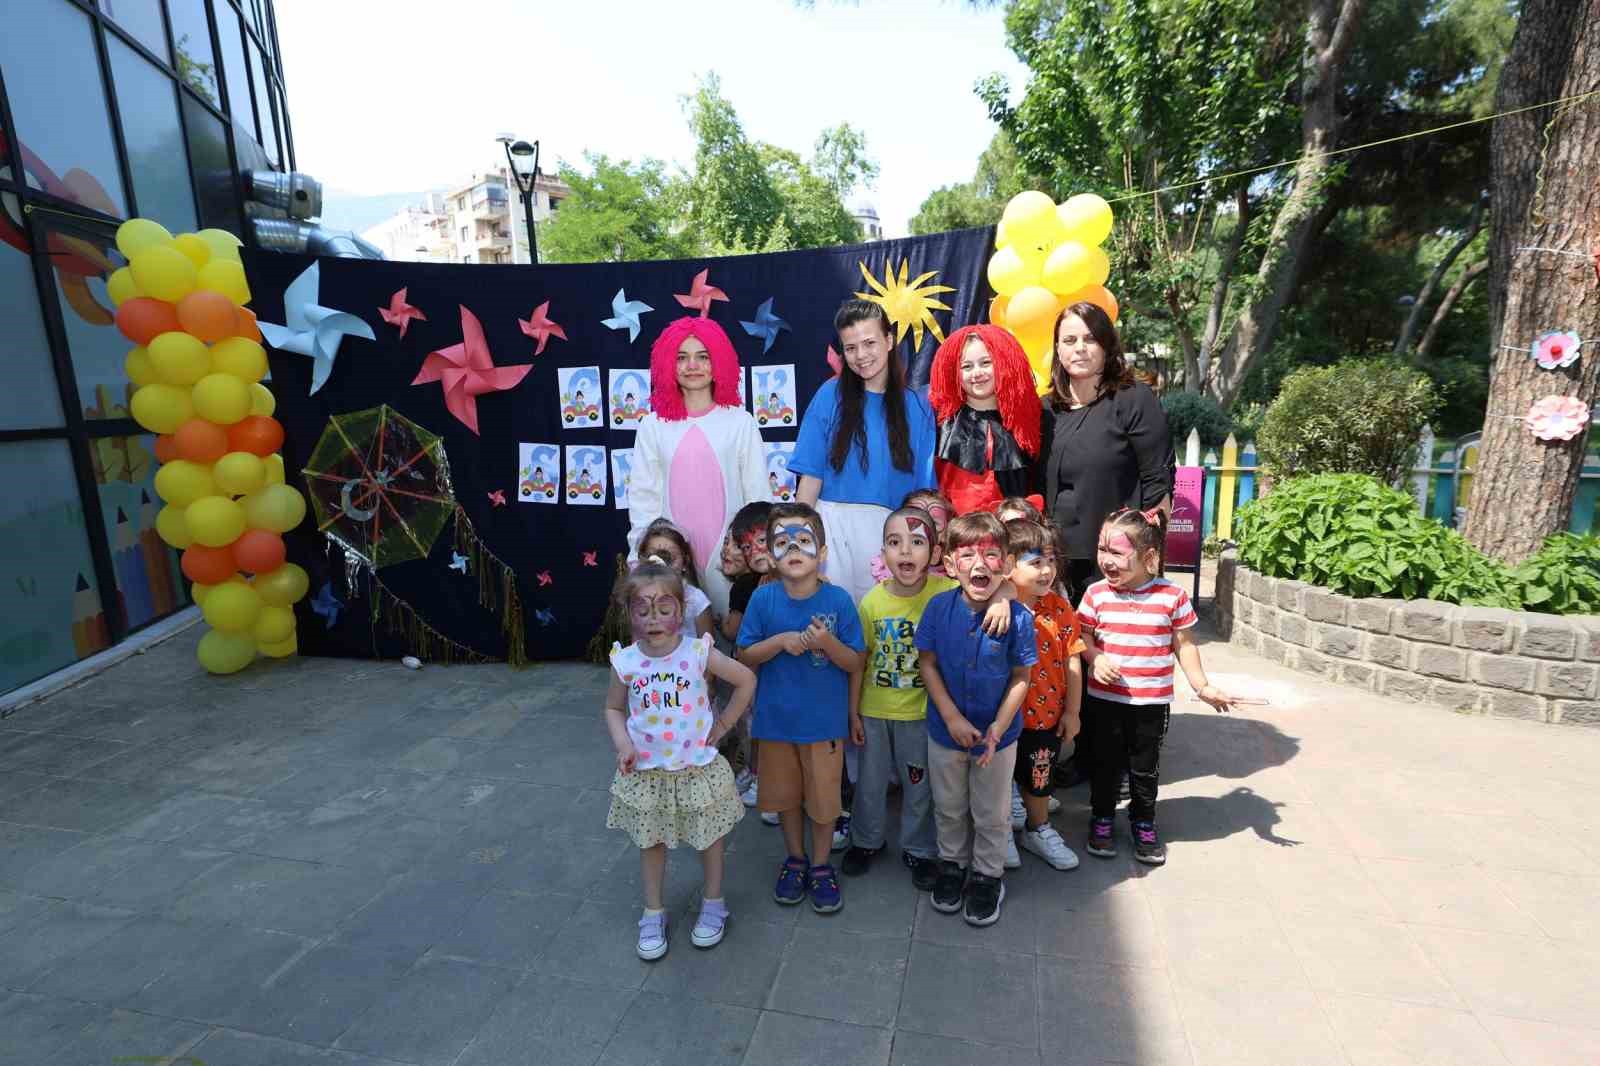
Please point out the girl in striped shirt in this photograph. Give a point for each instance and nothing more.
(1136, 625)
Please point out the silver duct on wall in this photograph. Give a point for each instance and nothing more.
(281, 209)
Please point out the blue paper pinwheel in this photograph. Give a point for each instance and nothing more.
(458, 562)
(311, 329)
(766, 325)
(625, 314)
(327, 605)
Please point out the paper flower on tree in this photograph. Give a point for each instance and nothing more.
(1558, 417)
(909, 304)
(625, 314)
(700, 295)
(399, 313)
(540, 328)
(1556, 349)
(766, 325)
(467, 372)
(311, 329)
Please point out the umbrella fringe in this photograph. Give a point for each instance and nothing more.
(497, 587)
(614, 627)
(423, 641)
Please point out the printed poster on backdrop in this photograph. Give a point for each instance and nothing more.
(1183, 531)
(772, 390)
(538, 473)
(627, 398)
(779, 479)
(621, 475)
(580, 396)
(586, 475)
(743, 392)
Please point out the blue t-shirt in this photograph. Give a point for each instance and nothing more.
(801, 698)
(976, 667)
(882, 483)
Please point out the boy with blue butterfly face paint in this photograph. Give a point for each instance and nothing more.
(803, 638)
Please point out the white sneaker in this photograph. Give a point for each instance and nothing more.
(841, 832)
(769, 817)
(653, 936)
(1019, 813)
(748, 793)
(1013, 860)
(742, 781)
(1055, 805)
(1046, 843)
(708, 928)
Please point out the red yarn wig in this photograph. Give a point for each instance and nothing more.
(666, 399)
(1014, 386)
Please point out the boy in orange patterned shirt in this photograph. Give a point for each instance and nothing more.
(1050, 711)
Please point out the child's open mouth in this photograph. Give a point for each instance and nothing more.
(980, 582)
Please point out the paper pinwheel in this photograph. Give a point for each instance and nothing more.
(1555, 349)
(540, 328)
(545, 617)
(1558, 417)
(700, 295)
(766, 325)
(311, 329)
(458, 562)
(399, 313)
(497, 498)
(590, 558)
(625, 314)
(327, 606)
(544, 577)
(467, 372)
(834, 361)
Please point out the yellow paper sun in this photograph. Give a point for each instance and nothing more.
(909, 304)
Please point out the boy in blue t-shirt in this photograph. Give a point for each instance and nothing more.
(976, 684)
(803, 638)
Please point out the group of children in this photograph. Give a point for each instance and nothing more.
(958, 677)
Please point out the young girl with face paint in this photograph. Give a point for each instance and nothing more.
(982, 391)
(1136, 627)
(666, 544)
(671, 787)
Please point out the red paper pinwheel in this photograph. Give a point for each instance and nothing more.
(467, 371)
(399, 313)
(540, 328)
(700, 294)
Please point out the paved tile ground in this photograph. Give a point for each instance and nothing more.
(345, 862)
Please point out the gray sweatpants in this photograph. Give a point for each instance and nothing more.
(894, 751)
(972, 806)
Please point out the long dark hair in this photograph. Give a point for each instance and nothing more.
(1115, 375)
(849, 427)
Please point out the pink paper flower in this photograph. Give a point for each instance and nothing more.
(1558, 417)
(1556, 348)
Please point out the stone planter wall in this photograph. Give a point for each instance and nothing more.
(1509, 663)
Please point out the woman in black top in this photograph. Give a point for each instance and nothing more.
(1106, 443)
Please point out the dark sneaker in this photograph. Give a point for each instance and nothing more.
(1147, 847)
(984, 896)
(791, 882)
(841, 832)
(947, 889)
(924, 872)
(1100, 842)
(825, 896)
(857, 861)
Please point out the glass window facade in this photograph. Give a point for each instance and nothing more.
(235, 74)
(142, 19)
(191, 40)
(148, 102)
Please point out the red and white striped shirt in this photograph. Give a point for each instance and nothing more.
(1136, 627)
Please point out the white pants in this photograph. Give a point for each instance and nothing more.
(855, 535)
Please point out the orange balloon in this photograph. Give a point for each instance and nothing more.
(1098, 295)
(167, 448)
(997, 310)
(143, 319)
(209, 316)
(256, 434)
(207, 566)
(200, 441)
(259, 551)
(245, 324)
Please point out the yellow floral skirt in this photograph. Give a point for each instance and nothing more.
(696, 806)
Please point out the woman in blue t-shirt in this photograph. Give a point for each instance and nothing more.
(866, 440)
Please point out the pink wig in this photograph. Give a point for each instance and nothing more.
(666, 399)
(1018, 401)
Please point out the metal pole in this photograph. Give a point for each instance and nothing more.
(527, 204)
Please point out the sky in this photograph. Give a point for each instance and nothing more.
(398, 95)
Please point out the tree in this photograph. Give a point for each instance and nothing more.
(841, 158)
(1543, 195)
(617, 211)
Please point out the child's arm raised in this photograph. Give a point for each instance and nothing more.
(1189, 659)
(743, 680)
(617, 724)
(1016, 690)
(961, 731)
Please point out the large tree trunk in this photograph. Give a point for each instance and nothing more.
(1330, 31)
(1524, 487)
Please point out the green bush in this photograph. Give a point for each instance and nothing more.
(1564, 578)
(1357, 417)
(1191, 410)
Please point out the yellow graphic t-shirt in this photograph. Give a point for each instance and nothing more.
(892, 687)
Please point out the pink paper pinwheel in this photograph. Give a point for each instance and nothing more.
(467, 371)
(540, 328)
(1557, 348)
(837, 365)
(399, 313)
(700, 294)
(1558, 417)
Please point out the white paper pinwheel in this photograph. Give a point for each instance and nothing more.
(311, 329)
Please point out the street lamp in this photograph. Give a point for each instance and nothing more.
(524, 161)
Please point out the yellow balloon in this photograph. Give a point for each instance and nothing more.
(274, 465)
(1009, 274)
(214, 521)
(181, 483)
(179, 358)
(273, 625)
(1086, 218)
(1032, 311)
(163, 272)
(161, 408)
(240, 473)
(139, 368)
(1001, 237)
(1067, 269)
(172, 527)
(262, 402)
(281, 587)
(1030, 217)
(232, 608)
(198, 251)
(1038, 347)
(282, 649)
(244, 359)
(221, 398)
(225, 653)
(199, 592)
(1099, 267)
(223, 245)
(277, 507)
(121, 287)
(137, 234)
(227, 277)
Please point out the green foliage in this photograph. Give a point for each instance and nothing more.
(1357, 416)
(1348, 533)
(617, 211)
(1564, 577)
(1192, 410)
(1000, 176)
(841, 158)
